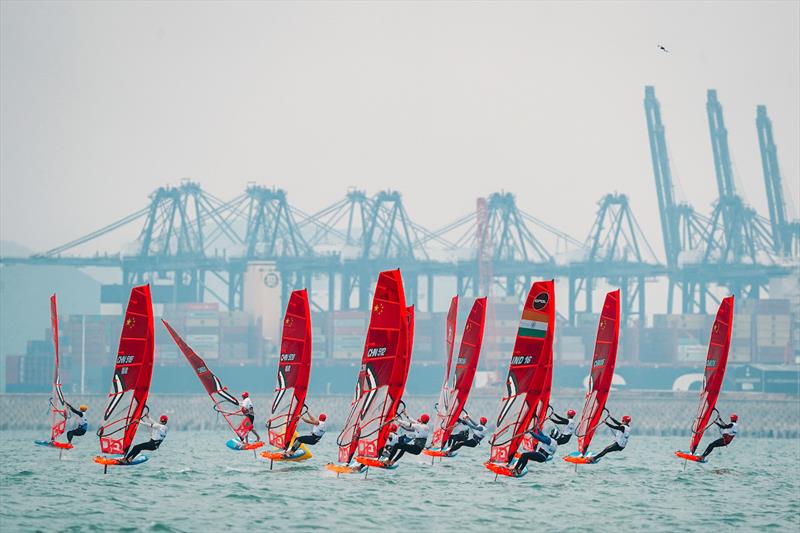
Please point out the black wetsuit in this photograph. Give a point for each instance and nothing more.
(404, 444)
(561, 421)
(81, 429)
(136, 450)
(724, 440)
(614, 446)
(469, 442)
(310, 439)
(538, 456)
(457, 439)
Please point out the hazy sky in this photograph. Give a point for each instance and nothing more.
(103, 102)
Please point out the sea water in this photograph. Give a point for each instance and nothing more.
(194, 483)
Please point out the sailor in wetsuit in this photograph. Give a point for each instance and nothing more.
(621, 430)
(249, 411)
(80, 424)
(545, 449)
(391, 440)
(317, 431)
(460, 431)
(563, 434)
(414, 441)
(729, 431)
(158, 432)
(476, 433)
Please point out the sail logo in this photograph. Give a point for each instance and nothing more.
(376, 352)
(286, 357)
(711, 362)
(461, 361)
(521, 359)
(540, 301)
(599, 362)
(124, 359)
(201, 370)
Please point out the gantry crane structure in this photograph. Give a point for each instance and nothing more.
(191, 244)
(734, 247)
(785, 232)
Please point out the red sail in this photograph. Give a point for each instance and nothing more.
(386, 360)
(716, 361)
(445, 396)
(529, 373)
(450, 337)
(294, 369)
(58, 408)
(224, 402)
(384, 367)
(454, 395)
(602, 371)
(132, 373)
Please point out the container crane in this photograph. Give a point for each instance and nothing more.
(785, 234)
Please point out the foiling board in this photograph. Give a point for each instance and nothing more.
(237, 445)
(115, 461)
(54, 444)
(690, 456)
(504, 470)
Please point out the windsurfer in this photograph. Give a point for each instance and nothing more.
(460, 431)
(621, 430)
(80, 424)
(317, 431)
(158, 432)
(249, 411)
(544, 450)
(728, 431)
(415, 440)
(476, 433)
(562, 435)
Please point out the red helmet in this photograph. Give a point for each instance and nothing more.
(323, 417)
(245, 394)
(424, 418)
(570, 413)
(734, 417)
(392, 428)
(483, 420)
(164, 419)
(626, 419)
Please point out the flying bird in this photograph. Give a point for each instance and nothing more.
(660, 47)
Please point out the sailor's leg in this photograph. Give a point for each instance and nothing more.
(613, 447)
(716, 444)
(523, 461)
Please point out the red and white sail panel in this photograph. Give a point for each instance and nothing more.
(294, 369)
(716, 362)
(454, 395)
(133, 370)
(529, 375)
(225, 403)
(385, 362)
(58, 408)
(602, 372)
